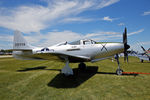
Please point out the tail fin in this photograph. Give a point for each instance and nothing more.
(19, 42)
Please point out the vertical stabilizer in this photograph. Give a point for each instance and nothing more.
(19, 42)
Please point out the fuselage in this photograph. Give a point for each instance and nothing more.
(93, 51)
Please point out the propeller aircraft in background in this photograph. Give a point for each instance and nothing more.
(80, 51)
(145, 55)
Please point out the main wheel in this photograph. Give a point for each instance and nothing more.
(142, 60)
(119, 71)
(82, 66)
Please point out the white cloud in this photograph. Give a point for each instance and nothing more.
(6, 41)
(6, 38)
(90, 35)
(52, 38)
(136, 32)
(77, 19)
(34, 18)
(145, 43)
(110, 33)
(121, 24)
(56, 37)
(4, 46)
(146, 13)
(107, 18)
(105, 3)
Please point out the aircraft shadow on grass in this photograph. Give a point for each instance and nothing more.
(61, 81)
(79, 77)
(36, 68)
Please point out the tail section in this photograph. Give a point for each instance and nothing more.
(19, 42)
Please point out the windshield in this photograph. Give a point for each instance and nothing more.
(62, 43)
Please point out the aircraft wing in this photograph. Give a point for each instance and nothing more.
(76, 58)
(95, 60)
(144, 57)
(61, 56)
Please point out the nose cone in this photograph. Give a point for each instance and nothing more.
(127, 46)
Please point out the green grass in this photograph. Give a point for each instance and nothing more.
(41, 80)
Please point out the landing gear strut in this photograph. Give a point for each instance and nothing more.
(118, 71)
(67, 70)
(82, 66)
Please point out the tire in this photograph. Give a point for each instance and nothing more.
(119, 71)
(82, 66)
(142, 60)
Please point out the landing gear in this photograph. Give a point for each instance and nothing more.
(118, 71)
(82, 66)
(67, 70)
(142, 60)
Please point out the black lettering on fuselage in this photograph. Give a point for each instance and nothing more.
(19, 44)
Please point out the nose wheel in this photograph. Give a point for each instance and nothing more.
(119, 71)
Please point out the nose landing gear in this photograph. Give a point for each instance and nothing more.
(119, 71)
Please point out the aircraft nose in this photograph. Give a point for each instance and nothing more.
(127, 46)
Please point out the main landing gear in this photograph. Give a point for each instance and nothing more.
(67, 70)
(119, 71)
(82, 66)
(142, 60)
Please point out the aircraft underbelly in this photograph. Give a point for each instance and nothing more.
(46, 56)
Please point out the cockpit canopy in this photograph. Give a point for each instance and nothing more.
(83, 42)
(79, 42)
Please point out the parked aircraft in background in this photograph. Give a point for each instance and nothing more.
(145, 55)
(80, 51)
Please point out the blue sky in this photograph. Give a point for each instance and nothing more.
(46, 22)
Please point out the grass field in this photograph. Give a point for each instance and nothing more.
(41, 80)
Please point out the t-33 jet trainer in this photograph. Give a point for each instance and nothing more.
(81, 51)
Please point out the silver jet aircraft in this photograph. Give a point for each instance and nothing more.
(81, 51)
